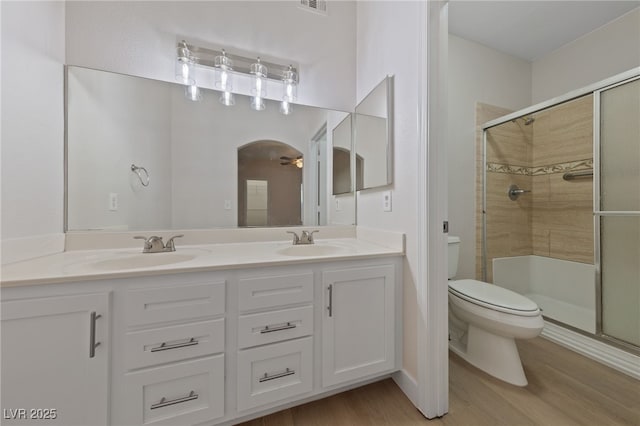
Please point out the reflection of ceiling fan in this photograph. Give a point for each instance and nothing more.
(285, 161)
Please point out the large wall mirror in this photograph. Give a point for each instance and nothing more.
(140, 156)
(373, 130)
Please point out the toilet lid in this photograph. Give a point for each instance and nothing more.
(493, 297)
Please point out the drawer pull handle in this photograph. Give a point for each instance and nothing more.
(165, 347)
(285, 373)
(330, 307)
(268, 329)
(92, 334)
(164, 403)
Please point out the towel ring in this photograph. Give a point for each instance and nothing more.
(136, 170)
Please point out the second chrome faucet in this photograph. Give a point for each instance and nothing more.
(154, 244)
(305, 238)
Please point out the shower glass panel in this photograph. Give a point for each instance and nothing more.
(619, 211)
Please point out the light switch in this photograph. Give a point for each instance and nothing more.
(338, 206)
(386, 201)
(227, 204)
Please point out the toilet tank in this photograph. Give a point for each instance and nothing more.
(454, 251)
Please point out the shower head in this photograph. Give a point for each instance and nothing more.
(527, 120)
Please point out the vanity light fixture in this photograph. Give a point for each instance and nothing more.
(185, 65)
(259, 89)
(224, 78)
(227, 65)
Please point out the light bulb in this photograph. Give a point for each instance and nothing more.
(185, 71)
(193, 93)
(285, 107)
(227, 99)
(257, 103)
(289, 85)
(224, 78)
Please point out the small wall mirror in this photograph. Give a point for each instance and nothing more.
(373, 137)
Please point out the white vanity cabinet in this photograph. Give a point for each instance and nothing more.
(55, 359)
(358, 323)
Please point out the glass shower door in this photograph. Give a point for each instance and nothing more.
(618, 211)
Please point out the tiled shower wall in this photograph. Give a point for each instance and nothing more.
(555, 218)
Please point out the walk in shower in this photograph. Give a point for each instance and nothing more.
(560, 200)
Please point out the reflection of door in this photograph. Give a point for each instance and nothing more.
(257, 202)
(318, 150)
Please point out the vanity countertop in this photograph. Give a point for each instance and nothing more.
(82, 265)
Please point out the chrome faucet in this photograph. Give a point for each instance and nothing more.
(305, 238)
(154, 244)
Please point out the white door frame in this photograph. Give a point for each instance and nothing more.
(433, 351)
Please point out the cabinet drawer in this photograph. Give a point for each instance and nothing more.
(275, 326)
(186, 393)
(274, 372)
(148, 306)
(168, 344)
(274, 291)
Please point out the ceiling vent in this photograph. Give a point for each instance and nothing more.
(319, 6)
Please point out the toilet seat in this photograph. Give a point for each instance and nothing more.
(494, 297)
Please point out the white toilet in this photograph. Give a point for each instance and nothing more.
(484, 320)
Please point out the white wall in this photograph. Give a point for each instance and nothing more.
(32, 118)
(476, 74)
(606, 51)
(388, 34)
(139, 38)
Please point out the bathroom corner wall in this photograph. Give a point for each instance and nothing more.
(32, 118)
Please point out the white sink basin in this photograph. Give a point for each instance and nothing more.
(311, 250)
(145, 260)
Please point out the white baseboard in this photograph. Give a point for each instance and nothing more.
(18, 249)
(603, 353)
(407, 384)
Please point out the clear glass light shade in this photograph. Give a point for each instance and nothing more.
(224, 76)
(257, 103)
(259, 72)
(227, 99)
(285, 107)
(185, 70)
(193, 93)
(289, 85)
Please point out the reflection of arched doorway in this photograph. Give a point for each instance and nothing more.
(269, 184)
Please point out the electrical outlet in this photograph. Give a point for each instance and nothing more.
(386, 201)
(113, 202)
(227, 204)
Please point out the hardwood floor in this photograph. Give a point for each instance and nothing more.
(564, 389)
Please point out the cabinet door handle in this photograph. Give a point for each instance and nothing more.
(164, 403)
(285, 373)
(92, 334)
(270, 329)
(165, 347)
(330, 307)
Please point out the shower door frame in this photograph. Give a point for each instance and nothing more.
(595, 89)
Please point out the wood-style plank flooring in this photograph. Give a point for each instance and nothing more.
(564, 389)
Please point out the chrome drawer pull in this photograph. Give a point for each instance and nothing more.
(92, 334)
(164, 403)
(165, 347)
(286, 373)
(268, 329)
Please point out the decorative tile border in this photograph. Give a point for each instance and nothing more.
(586, 164)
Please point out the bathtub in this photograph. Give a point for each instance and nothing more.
(564, 290)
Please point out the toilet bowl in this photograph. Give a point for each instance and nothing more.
(485, 320)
